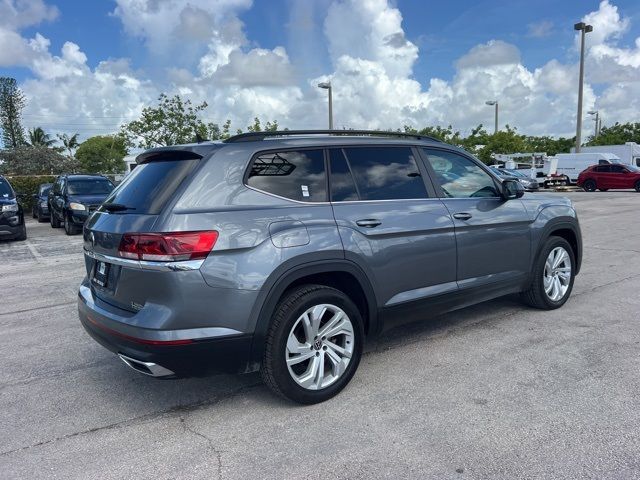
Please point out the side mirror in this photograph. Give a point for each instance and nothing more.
(512, 189)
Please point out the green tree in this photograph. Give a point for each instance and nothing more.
(69, 143)
(12, 101)
(27, 160)
(550, 145)
(171, 122)
(257, 126)
(38, 138)
(617, 134)
(102, 154)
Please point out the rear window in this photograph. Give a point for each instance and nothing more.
(90, 186)
(5, 189)
(150, 185)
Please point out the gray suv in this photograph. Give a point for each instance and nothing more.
(285, 251)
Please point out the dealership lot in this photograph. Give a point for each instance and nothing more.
(497, 390)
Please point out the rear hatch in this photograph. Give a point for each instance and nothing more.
(135, 206)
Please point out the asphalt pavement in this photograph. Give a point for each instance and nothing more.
(498, 390)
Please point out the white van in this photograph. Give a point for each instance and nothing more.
(571, 164)
(629, 153)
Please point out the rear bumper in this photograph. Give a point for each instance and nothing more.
(181, 353)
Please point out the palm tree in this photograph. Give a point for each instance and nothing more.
(70, 143)
(37, 138)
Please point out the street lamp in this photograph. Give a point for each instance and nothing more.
(597, 120)
(583, 28)
(494, 102)
(327, 86)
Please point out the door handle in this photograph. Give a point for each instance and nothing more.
(462, 216)
(368, 222)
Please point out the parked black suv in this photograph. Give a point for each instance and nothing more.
(12, 225)
(40, 208)
(74, 197)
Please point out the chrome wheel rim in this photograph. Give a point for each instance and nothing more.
(320, 346)
(557, 274)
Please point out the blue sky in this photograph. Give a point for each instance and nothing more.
(443, 30)
(133, 57)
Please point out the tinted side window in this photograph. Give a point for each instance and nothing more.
(343, 188)
(297, 175)
(460, 177)
(603, 169)
(618, 169)
(385, 173)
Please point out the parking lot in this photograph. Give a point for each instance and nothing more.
(493, 391)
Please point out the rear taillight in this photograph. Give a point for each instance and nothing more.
(167, 247)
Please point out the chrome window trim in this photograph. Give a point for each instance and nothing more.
(185, 265)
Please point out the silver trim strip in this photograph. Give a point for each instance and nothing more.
(155, 369)
(185, 265)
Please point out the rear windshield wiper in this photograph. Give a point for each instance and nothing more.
(115, 207)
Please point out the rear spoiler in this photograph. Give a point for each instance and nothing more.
(177, 152)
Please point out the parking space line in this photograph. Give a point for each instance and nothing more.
(33, 251)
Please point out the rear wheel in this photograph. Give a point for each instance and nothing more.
(589, 186)
(314, 344)
(553, 275)
(637, 186)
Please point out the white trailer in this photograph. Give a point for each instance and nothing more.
(629, 153)
(570, 165)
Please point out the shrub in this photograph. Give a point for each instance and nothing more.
(27, 186)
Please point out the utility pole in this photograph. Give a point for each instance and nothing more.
(583, 28)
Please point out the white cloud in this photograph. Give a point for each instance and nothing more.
(540, 29)
(17, 14)
(371, 71)
(494, 52)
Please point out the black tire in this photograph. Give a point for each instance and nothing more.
(275, 372)
(589, 186)
(34, 212)
(69, 227)
(41, 219)
(637, 186)
(23, 234)
(53, 220)
(535, 295)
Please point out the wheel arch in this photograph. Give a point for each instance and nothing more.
(567, 228)
(341, 274)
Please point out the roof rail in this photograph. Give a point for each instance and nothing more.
(257, 136)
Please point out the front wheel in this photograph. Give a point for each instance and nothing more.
(589, 186)
(314, 344)
(637, 186)
(53, 220)
(552, 276)
(69, 227)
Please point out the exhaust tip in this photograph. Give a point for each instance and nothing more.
(146, 368)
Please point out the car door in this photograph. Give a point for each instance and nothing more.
(492, 234)
(391, 223)
(620, 177)
(57, 202)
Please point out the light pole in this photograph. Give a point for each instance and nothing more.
(597, 120)
(584, 29)
(327, 86)
(494, 102)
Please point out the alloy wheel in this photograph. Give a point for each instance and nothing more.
(320, 346)
(557, 274)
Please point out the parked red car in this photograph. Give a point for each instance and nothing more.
(612, 176)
